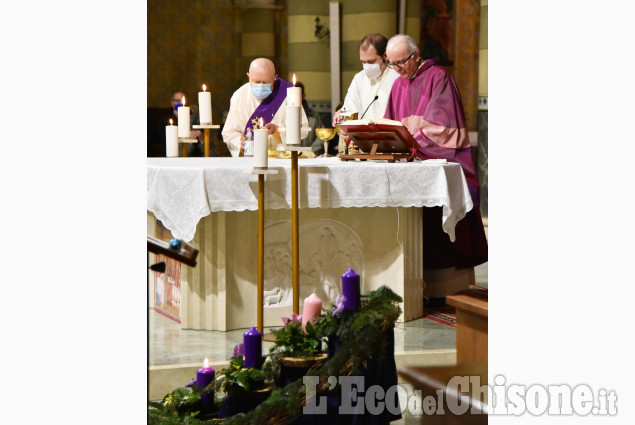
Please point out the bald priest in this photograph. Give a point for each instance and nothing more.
(264, 96)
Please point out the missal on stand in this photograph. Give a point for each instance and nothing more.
(380, 138)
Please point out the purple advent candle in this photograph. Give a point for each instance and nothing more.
(351, 290)
(252, 340)
(204, 377)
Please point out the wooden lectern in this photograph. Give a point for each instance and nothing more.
(383, 139)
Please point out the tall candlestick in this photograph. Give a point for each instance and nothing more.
(260, 147)
(311, 309)
(351, 290)
(205, 106)
(171, 140)
(252, 341)
(184, 120)
(204, 377)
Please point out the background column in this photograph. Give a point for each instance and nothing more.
(309, 55)
(255, 35)
(358, 20)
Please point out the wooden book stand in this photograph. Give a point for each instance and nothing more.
(379, 142)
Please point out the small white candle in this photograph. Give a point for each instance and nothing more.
(184, 120)
(171, 141)
(260, 147)
(205, 106)
(294, 95)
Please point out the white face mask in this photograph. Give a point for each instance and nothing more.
(372, 70)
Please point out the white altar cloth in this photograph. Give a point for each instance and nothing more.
(181, 191)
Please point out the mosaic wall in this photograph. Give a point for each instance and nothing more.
(191, 43)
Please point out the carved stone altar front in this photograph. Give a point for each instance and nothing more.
(383, 245)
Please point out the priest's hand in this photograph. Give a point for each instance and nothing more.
(271, 128)
(242, 142)
(196, 134)
(336, 118)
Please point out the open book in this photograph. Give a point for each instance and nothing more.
(379, 135)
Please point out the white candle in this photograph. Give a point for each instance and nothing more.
(294, 95)
(293, 125)
(260, 147)
(205, 106)
(171, 140)
(184, 120)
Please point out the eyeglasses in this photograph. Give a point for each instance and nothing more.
(399, 64)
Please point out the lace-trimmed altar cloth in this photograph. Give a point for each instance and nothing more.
(181, 191)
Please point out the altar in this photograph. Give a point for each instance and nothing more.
(365, 215)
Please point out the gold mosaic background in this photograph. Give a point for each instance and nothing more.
(212, 41)
(191, 43)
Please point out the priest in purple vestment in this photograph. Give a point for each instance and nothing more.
(427, 101)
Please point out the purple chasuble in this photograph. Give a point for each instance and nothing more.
(429, 105)
(270, 104)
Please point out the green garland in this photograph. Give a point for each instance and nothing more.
(363, 336)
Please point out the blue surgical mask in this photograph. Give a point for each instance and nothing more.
(261, 91)
(177, 106)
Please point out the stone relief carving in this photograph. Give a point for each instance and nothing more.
(327, 249)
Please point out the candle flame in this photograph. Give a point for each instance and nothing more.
(183, 101)
(260, 123)
(294, 79)
(171, 121)
(204, 87)
(206, 363)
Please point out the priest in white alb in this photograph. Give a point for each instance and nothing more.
(264, 96)
(368, 93)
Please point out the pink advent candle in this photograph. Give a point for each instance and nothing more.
(204, 377)
(311, 309)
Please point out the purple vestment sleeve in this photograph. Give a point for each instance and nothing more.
(269, 106)
(430, 107)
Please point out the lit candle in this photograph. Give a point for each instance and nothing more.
(184, 120)
(205, 106)
(294, 102)
(311, 309)
(294, 95)
(171, 140)
(351, 290)
(204, 377)
(260, 147)
(252, 341)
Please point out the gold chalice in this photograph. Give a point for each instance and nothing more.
(325, 134)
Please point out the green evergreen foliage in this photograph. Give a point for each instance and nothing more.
(178, 407)
(292, 341)
(362, 336)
